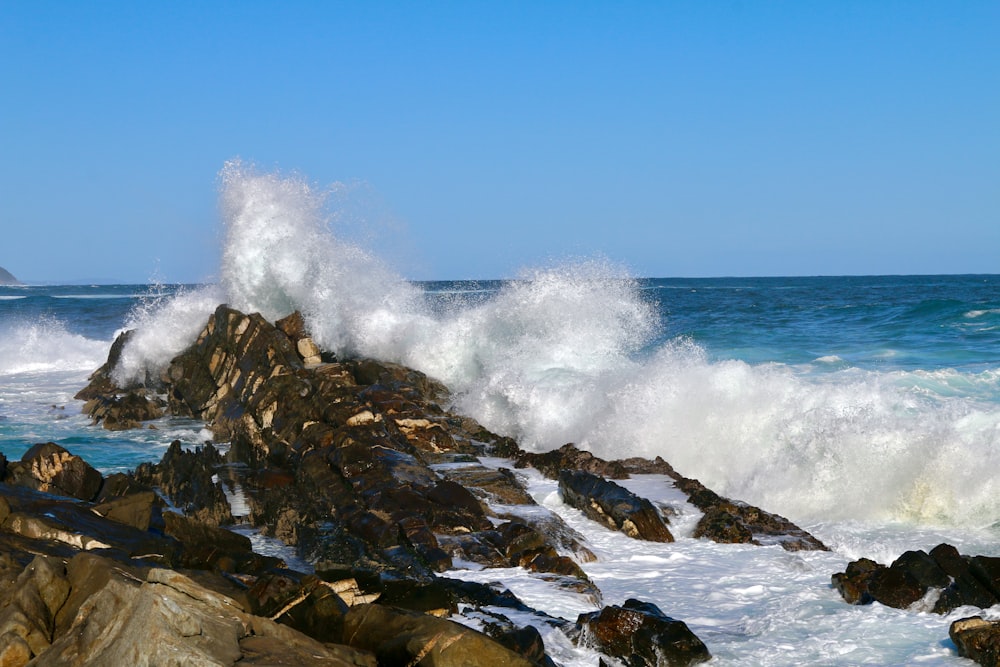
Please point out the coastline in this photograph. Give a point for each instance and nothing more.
(269, 391)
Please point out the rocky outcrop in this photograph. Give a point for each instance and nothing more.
(724, 520)
(120, 408)
(356, 464)
(730, 521)
(938, 581)
(642, 635)
(6, 278)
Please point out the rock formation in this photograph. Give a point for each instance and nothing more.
(356, 464)
(6, 278)
(938, 581)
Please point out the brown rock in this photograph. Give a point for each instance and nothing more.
(399, 637)
(640, 634)
(613, 506)
(49, 468)
(977, 639)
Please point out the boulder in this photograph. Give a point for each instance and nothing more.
(941, 580)
(28, 618)
(400, 637)
(640, 634)
(168, 619)
(49, 468)
(613, 505)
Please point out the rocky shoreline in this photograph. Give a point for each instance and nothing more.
(359, 467)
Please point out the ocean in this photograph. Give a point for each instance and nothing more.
(865, 409)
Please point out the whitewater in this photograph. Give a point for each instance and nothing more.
(866, 409)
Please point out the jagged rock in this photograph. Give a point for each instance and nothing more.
(977, 639)
(49, 468)
(724, 520)
(36, 517)
(568, 457)
(957, 580)
(400, 637)
(727, 521)
(613, 506)
(120, 408)
(640, 634)
(128, 411)
(190, 480)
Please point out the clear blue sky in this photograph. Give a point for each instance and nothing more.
(701, 138)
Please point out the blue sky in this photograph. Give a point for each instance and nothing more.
(703, 138)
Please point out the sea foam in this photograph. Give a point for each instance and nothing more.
(575, 353)
(46, 345)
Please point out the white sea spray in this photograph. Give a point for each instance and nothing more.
(44, 345)
(573, 353)
(162, 328)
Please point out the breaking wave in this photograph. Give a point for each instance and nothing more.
(576, 353)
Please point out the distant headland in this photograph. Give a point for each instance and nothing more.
(6, 278)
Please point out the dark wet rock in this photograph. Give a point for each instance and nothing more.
(526, 641)
(939, 581)
(124, 412)
(49, 468)
(492, 485)
(120, 408)
(307, 603)
(190, 480)
(613, 506)
(724, 520)
(640, 634)
(854, 582)
(964, 585)
(568, 457)
(400, 637)
(977, 639)
(729, 521)
(207, 547)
